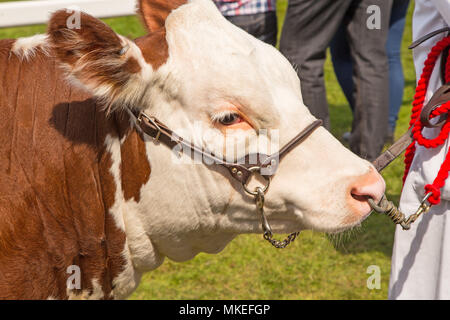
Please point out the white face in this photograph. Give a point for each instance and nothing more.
(214, 70)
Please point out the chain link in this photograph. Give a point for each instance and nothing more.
(281, 244)
(268, 235)
(388, 208)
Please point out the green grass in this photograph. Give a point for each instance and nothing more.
(316, 266)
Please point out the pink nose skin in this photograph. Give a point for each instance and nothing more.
(370, 185)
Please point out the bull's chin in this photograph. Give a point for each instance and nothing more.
(343, 229)
(349, 221)
(348, 226)
(294, 221)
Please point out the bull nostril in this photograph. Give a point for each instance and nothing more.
(372, 191)
(370, 185)
(367, 186)
(359, 197)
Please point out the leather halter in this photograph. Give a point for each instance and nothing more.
(240, 170)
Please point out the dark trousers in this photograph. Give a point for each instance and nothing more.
(260, 25)
(308, 29)
(342, 62)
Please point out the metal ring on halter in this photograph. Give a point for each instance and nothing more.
(255, 193)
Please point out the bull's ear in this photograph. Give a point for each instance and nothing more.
(95, 56)
(155, 12)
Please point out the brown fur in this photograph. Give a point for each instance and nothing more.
(55, 184)
(154, 48)
(91, 54)
(154, 14)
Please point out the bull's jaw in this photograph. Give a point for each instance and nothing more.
(185, 208)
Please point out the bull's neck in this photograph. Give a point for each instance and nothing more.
(130, 169)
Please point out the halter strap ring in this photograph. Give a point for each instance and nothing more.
(256, 193)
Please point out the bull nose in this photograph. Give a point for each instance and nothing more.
(370, 185)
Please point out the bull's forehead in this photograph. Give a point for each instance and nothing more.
(216, 60)
(200, 23)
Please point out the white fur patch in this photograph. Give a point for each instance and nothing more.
(125, 282)
(138, 252)
(27, 48)
(96, 293)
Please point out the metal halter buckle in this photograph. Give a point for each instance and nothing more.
(152, 120)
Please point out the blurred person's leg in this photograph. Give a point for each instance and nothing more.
(370, 76)
(260, 25)
(393, 47)
(308, 29)
(342, 63)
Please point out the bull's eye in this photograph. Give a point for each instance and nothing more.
(230, 119)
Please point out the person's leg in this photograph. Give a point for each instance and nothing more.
(260, 25)
(393, 47)
(370, 76)
(342, 63)
(308, 29)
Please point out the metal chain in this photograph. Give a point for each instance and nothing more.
(268, 235)
(388, 208)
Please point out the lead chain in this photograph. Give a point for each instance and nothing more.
(268, 235)
(388, 208)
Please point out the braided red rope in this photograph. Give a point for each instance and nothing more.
(417, 125)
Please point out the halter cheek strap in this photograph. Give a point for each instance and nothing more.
(241, 170)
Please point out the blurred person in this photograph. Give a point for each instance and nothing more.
(342, 63)
(257, 17)
(307, 32)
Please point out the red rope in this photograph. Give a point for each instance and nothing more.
(417, 125)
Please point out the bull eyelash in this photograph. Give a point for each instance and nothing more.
(216, 117)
